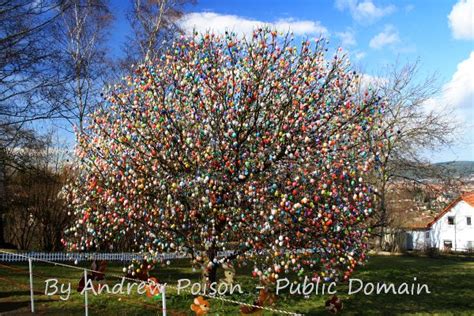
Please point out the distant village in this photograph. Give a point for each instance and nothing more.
(430, 215)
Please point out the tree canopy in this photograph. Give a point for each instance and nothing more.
(252, 145)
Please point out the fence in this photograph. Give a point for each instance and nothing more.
(43, 258)
(84, 256)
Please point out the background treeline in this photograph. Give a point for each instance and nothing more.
(36, 217)
(56, 57)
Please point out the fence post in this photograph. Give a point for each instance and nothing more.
(163, 298)
(30, 264)
(85, 294)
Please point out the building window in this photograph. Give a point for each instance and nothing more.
(450, 220)
(468, 220)
(427, 235)
(448, 244)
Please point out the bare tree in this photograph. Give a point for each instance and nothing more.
(410, 131)
(81, 33)
(36, 216)
(26, 57)
(17, 157)
(21, 223)
(154, 25)
(49, 211)
(27, 76)
(51, 64)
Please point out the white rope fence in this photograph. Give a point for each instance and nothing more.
(18, 256)
(85, 256)
(30, 260)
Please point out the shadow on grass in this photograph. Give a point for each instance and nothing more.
(13, 306)
(14, 293)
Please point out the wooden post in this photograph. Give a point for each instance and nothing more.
(30, 264)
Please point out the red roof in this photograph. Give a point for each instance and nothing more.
(466, 197)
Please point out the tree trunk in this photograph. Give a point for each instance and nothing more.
(3, 196)
(212, 270)
(2, 230)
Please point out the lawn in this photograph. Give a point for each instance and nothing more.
(450, 281)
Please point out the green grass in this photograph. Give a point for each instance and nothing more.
(450, 282)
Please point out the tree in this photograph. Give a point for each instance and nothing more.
(16, 144)
(27, 76)
(253, 146)
(410, 130)
(49, 211)
(16, 156)
(50, 174)
(154, 24)
(36, 217)
(26, 72)
(81, 34)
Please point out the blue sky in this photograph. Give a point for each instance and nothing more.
(422, 26)
(375, 32)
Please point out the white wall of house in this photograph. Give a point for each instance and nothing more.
(454, 228)
(417, 239)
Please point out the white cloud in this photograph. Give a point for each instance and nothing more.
(457, 98)
(388, 36)
(365, 11)
(459, 92)
(303, 27)
(369, 81)
(461, 19)
(347, 38)
(359, 55)
(210, 21)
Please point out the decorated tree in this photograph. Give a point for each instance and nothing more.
(251, 146)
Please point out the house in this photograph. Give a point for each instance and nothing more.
(452, 229)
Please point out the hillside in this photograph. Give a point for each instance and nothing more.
(457, 168)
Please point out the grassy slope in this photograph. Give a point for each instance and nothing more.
(450, 281)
